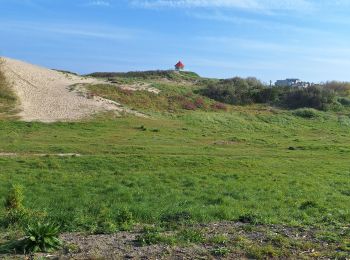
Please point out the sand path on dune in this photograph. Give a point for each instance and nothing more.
(46, 95)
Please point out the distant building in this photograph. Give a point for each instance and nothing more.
(297, 83)
(179, 66)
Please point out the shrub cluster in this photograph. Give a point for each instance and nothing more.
(236, 91)
(239, 91)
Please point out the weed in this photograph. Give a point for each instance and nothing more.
(177, 217)
(152, 236)
(307, 204)
(249, 218)
(263, 252)
(220, 251)
(220, 239)
(125, 219)
(142, 128)
(191, 236)
(14, 199)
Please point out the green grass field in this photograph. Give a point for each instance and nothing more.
(254, 162)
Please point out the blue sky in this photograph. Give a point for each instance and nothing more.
(269, 39)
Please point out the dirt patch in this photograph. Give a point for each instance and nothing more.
(223, 240)
(8, 154)
(40, 154)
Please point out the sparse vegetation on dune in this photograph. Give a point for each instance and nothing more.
(8, 98)
(280, 177)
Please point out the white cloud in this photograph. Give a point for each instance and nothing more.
(99, 3)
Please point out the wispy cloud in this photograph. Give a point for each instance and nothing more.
(99, 3)
(241, 4)
(264, 24)
(73, 30)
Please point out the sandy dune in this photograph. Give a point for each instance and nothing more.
(45, 95)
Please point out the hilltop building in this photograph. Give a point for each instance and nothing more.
(179, 66)
(297, 83)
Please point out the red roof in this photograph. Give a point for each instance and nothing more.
(180, 65)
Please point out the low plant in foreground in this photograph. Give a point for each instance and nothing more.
(42, 238)
(38, 238)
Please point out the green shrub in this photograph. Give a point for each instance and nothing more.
(306, 113)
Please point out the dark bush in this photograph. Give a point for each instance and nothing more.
(312, 97)
(344, 101)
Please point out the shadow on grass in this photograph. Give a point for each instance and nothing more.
(13, 247)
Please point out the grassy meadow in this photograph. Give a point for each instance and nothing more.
(254, 163)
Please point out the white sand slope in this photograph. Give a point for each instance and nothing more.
(45, 95)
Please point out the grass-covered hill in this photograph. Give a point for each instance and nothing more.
(196, 159)
(146, 75)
